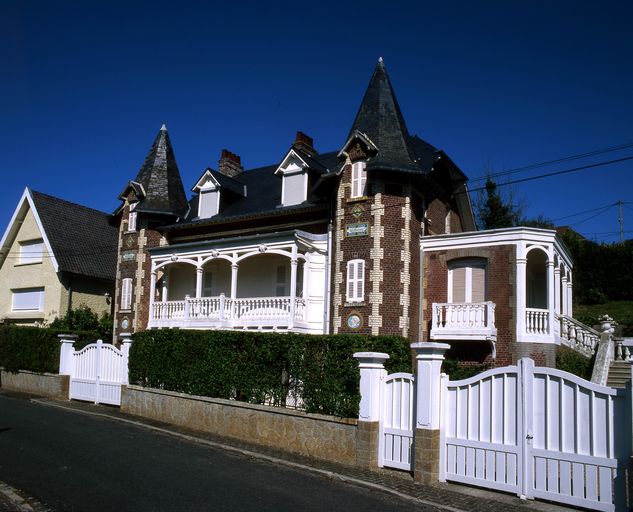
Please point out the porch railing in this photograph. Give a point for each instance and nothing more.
(577, 335)
(475, 320)
(222, 311)
(537, 321)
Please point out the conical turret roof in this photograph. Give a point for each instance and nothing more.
(379, 117)
(159, 177)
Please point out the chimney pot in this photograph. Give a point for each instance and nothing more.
(305, 143)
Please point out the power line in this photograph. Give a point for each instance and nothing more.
(558, 160)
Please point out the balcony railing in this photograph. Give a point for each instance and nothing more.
(223, 312)
(463, 321)
(537, 321)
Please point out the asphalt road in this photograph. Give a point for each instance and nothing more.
(76, 462)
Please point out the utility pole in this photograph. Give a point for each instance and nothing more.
(620, 204)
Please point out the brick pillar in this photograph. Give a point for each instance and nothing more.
(372, 371)
(426, 459)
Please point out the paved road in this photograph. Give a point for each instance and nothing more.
(76, 462)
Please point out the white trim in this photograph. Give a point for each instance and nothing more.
(204, 179)
(20, 211)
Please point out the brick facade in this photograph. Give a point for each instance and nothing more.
(500, 288)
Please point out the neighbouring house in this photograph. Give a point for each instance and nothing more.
(375, 237)
(54, 256)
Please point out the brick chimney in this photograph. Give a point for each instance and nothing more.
(304, 143)
(230, 164)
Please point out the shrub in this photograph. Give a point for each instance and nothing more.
(34, 349)
(571, 361)
(85, 319)
(454, 368)
(255, 367)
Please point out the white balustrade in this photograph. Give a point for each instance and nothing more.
(537, 321)
(578, 336)
(222, 311)
(457, 316)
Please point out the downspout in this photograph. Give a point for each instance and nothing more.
(70, 293)
(420, 309)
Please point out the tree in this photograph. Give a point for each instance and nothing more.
(540, 221)
(494, 211)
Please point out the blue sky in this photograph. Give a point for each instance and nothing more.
(497, 85)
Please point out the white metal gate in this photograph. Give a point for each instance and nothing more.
(538, 432)
(395, 446)
(97, 372)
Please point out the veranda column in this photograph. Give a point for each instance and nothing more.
(550, 293)
(570, 296)
(199, 274)
(557, 295)
(564, 294)
(293, 287)
(429, 357)
(234, 268)
(372, 371)
(152, 295)
(521, 291)
(165, 293)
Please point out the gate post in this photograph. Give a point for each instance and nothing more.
(372, 371)
(66, 352)
(426, 443)
(126, 343)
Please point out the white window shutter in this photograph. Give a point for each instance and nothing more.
(355, 280)
(126, 293)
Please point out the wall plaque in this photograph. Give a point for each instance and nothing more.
(129, 256)
(358, 229)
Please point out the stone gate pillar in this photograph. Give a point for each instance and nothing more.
(372, 370)
(429, 357)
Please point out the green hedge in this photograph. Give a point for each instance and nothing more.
(572, 362)
(34, 348)
(254, 367)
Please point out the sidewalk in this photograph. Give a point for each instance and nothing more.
(12, 501)
(449, 497)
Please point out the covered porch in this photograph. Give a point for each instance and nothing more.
(272, 282)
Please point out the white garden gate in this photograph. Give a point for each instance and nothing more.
(97, 371)
(397, 421)
(538, 432)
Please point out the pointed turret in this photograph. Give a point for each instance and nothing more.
(380, 120)
(158, 185)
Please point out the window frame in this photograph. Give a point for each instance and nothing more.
(36, 289)
(33, 257)
(359, 179)
(354, 282)
(126, 294)
(467, 264)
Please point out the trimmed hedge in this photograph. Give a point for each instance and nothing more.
(571, 361)
(34, 349)
(254, 367)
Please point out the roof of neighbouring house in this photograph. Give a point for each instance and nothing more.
(82, 240)
(159, 177)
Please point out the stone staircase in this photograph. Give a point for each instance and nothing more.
(619, 374)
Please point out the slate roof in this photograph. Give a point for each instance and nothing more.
(160, 178)
(263, 192)
(82, 240)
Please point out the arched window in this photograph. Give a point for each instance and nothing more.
(467, 280)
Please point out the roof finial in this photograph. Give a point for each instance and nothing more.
(163, 128)
(380, 60)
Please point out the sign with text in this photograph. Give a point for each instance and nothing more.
(359, 229)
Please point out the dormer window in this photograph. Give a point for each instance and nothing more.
(359, 179)
(294, 175)
(208, 189)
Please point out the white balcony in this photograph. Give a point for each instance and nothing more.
(261, 313)
(463, 321)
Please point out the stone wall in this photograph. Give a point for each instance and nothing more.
(44, 384)
(312, 435)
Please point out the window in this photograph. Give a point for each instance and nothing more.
(131, 222)
(355, 280)
(281, 282)
(31, 252)
(359, 179)
(126, 293)
(467, 281)
(28, 299)
(207, 284)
